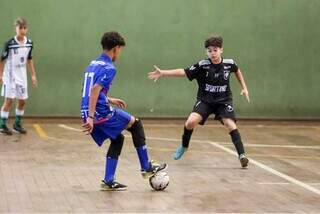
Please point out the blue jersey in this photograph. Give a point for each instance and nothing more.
(100, 71)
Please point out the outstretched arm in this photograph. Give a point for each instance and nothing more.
(244, 90)
(158, 73)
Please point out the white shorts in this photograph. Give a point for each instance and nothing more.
(14, 91)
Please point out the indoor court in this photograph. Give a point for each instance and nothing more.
(71, 67)
(56, 169)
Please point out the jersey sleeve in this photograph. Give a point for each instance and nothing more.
(5, 51)
(105, 78)
(30, 52)
(193, 71)
(234, 67)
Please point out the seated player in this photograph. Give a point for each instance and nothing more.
(103, 121)
(214, 94)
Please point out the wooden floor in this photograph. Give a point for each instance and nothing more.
(57, 169)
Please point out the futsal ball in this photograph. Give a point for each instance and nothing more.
(159, 181)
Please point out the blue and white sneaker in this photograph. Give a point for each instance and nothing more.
(179, 152)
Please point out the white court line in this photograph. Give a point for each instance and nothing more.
(254, 162)
(247, 144)
(272, 171)
(220, 143)
(242, 125)
(69, 128)
(273, 183)
(283, 183)
(275, 146)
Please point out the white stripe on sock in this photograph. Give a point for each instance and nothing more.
(19, 112)
(4, 114)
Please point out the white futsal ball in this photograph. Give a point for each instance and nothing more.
(159, 181)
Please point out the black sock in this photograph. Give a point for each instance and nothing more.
(236, 140)
(186, 137)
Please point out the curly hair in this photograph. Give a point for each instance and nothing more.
(215, 41)
(112, 39)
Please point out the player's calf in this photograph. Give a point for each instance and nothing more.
(236, 140)
(17, 126)
(185, 144)
(113, 154)
(148, 168)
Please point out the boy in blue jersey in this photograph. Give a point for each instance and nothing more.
(103, 121)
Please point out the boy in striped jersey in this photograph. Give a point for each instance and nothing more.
(16, 54)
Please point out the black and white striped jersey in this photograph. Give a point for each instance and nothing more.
(213, 79)
(16, 54)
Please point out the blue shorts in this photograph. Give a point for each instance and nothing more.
(110, 128)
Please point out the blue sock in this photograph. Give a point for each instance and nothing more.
(111, 165)
(143, 157)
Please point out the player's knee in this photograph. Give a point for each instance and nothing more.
(191, 124)
(136, 124)
(131, 122)
(137, 133)
(8, 102)
(21, 103)
(229, 124)
(115, 147)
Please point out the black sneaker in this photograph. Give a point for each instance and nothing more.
(243, 160)
(18, 128)
(154, 168)
(5, 130)
(113, 186)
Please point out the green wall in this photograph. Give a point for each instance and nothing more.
(275, 43)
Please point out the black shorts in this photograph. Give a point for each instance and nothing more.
(220, 110)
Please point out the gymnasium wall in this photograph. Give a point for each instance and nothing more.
(275, 43)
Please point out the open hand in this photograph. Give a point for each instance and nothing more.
(156, 74)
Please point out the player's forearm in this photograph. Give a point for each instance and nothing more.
(110, 99)
(1, 67)
(173, 73)
(94, 94)
(241, 80)
(31, 68)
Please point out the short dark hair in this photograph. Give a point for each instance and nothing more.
(215, 41)
(112, 39)
(20, 21)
